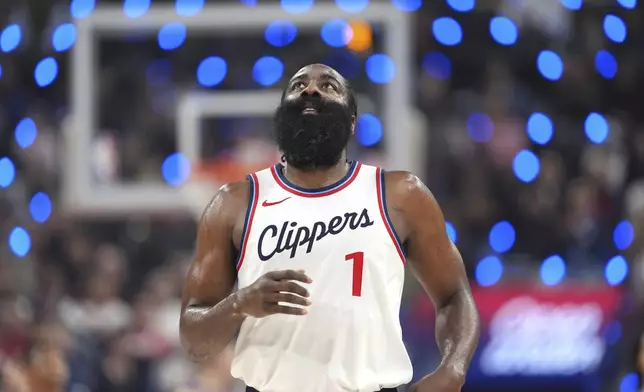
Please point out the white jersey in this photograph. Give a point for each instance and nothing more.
(341, 235)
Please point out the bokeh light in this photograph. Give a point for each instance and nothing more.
(280, 33)
(503, 30)
(368, 129)
(7, 172)
(407, 5)
(135, 8)
(623, 235)
(26, 132)
(596, 128)
(553, 270)
(380, 68)
(451, 232)
(447, 31)
(336, 33)
(211, 71)
(352, 5)
(606, 64)
(526, 166)
(502, 237)
(63, 37)
(10, 38)
(19, 241)
(82, 8)
(614, 28)
(480, 127)
(628, 4)
(461, 5)
(268, 70)
(550, 65)
(616, 270)
(630, 383)
(40, 207)
(46, 71)
(175, 169)
(188, 7)
(437, 65)
(360, 36)
(539, 128)
(296, 6)
(489, 271)
(573, 5)
(172, 35)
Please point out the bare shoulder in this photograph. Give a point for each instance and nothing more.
(227, 205)
(406, 189)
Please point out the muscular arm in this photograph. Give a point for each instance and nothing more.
(438, 266)
(209, 319)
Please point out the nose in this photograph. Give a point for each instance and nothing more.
(311, 90)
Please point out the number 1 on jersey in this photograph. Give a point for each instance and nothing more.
(358, 263)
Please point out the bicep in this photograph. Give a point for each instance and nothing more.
(434, 258)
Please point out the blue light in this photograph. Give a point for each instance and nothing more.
(82, 8)
(489, 271)
(280, 33)
(10, 38)
(628, 4)
(296, 6)
(606, 64)
(268, 70)
(503, 30)
(7, 172)
(526, 166)
(437, 65)
(616, 270)
(46, 71)
(352, 5)
(335, 33)
(345, 62)
(172, 35)
(135, 8)
(26, 132)
(630, 383)
(553, 270)
(40, 207)
(614, 28)
(623, 235)
(461, 5)
(573, 5)
(250, 3)
(211, 71)
(540, 128)
(368, 129)
(175, 169)
(613, 332)
(407, 5)
(451, 232)
(64, 37)
(188, 7)
(502, 237)
(480, 127)
(550, 65)
(447, 31)
(0, 71)
(596, 128)
(380, 68)
(19, 241)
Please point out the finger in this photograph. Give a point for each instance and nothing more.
(290, 275)
(291, 287)
(282, 309)
(288, 298)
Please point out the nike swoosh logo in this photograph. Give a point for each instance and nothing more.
(266, 203)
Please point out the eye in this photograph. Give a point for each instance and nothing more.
(299, 85)
(328, 86)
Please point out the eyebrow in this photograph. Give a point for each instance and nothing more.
(325, 75)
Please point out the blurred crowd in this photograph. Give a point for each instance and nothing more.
(94, 305)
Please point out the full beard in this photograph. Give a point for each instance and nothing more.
(312, 141)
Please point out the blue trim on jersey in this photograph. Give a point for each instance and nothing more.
(251, 201)
(279, 169)
(384, 207)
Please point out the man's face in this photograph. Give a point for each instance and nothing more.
(313, 123)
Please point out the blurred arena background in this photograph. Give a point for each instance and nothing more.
(120, 118)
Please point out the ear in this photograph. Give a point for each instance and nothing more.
(353, 125)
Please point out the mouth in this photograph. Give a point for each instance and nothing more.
(309, 111)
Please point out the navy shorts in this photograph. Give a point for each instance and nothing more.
(251, 389)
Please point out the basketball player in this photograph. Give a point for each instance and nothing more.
(315, 244)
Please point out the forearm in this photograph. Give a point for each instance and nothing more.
(457, 332)
(207, 330)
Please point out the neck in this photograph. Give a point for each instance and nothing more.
(318, 177)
